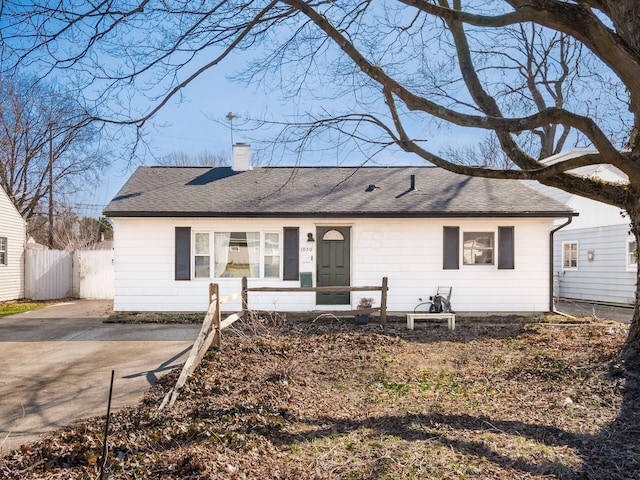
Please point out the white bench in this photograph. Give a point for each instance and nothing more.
(449, 317)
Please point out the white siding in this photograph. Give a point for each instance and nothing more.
(13, 228)
(407, 251)
(594, 214)
(604, 279)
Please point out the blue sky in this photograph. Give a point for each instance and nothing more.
(186, 125)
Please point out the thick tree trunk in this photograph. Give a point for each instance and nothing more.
(631, 351)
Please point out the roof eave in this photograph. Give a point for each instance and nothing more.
(495, 214)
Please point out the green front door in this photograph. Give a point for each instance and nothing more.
(334, 264)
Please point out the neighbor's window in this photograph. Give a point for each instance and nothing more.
(478, 248)
(3, 250)
(569, 255)
(632, 253)
(202, 256)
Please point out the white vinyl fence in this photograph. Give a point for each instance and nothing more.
(52, 274)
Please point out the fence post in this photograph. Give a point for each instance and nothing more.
(383, 301)
(245, 297)
(214, 289)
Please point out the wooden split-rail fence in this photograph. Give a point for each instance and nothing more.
(209, 334)
(212, 325)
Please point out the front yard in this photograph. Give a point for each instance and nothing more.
(325, 399)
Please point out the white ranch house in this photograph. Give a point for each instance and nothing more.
(179, 228)
(12, 246)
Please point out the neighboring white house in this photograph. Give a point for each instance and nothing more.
(176, 229)
(595, 255)
(12, 245)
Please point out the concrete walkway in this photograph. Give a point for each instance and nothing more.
(579, 308)
(57, 365)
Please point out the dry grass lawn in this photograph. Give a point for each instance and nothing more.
(326, 399)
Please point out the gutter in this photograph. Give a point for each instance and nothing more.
(552, 307)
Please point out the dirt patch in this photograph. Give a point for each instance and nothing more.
(155, 317)
(325, 399)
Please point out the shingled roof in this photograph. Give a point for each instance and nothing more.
(324, 192)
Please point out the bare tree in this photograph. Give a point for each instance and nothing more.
(552, 69)
(202, 159)
(70, 231)
(400, 69)
(48, 145)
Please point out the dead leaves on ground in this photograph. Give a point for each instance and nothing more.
(329, 400)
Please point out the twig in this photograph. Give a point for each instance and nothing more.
(330, 315)
(106, 430)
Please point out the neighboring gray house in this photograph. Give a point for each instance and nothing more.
(176, 229)
(12, 245)
(595, 255)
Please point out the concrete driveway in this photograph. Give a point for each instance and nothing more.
(57, 362)
(587, 309)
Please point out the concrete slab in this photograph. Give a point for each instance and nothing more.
(581, 308)
(57, 365)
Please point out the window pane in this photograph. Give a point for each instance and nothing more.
(478, 248)
(202, 266)
(632, 250)
(272, 266)
(333, 235)
(3, 251)
(202, 244)
(570, 255)
(271, 255)
(271, 244)
(237, 254)
(221, 253)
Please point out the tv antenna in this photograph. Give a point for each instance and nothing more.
(230, 116)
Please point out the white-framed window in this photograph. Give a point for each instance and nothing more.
(478, 248)
(202, 255)
(569, 255)
(3, 250)
(237, 254)
(632, 253)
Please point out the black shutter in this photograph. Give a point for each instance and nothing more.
(183, 253)
(505, 248)
(451, 248)
(291, 243)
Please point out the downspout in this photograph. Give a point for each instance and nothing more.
(552, 307)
